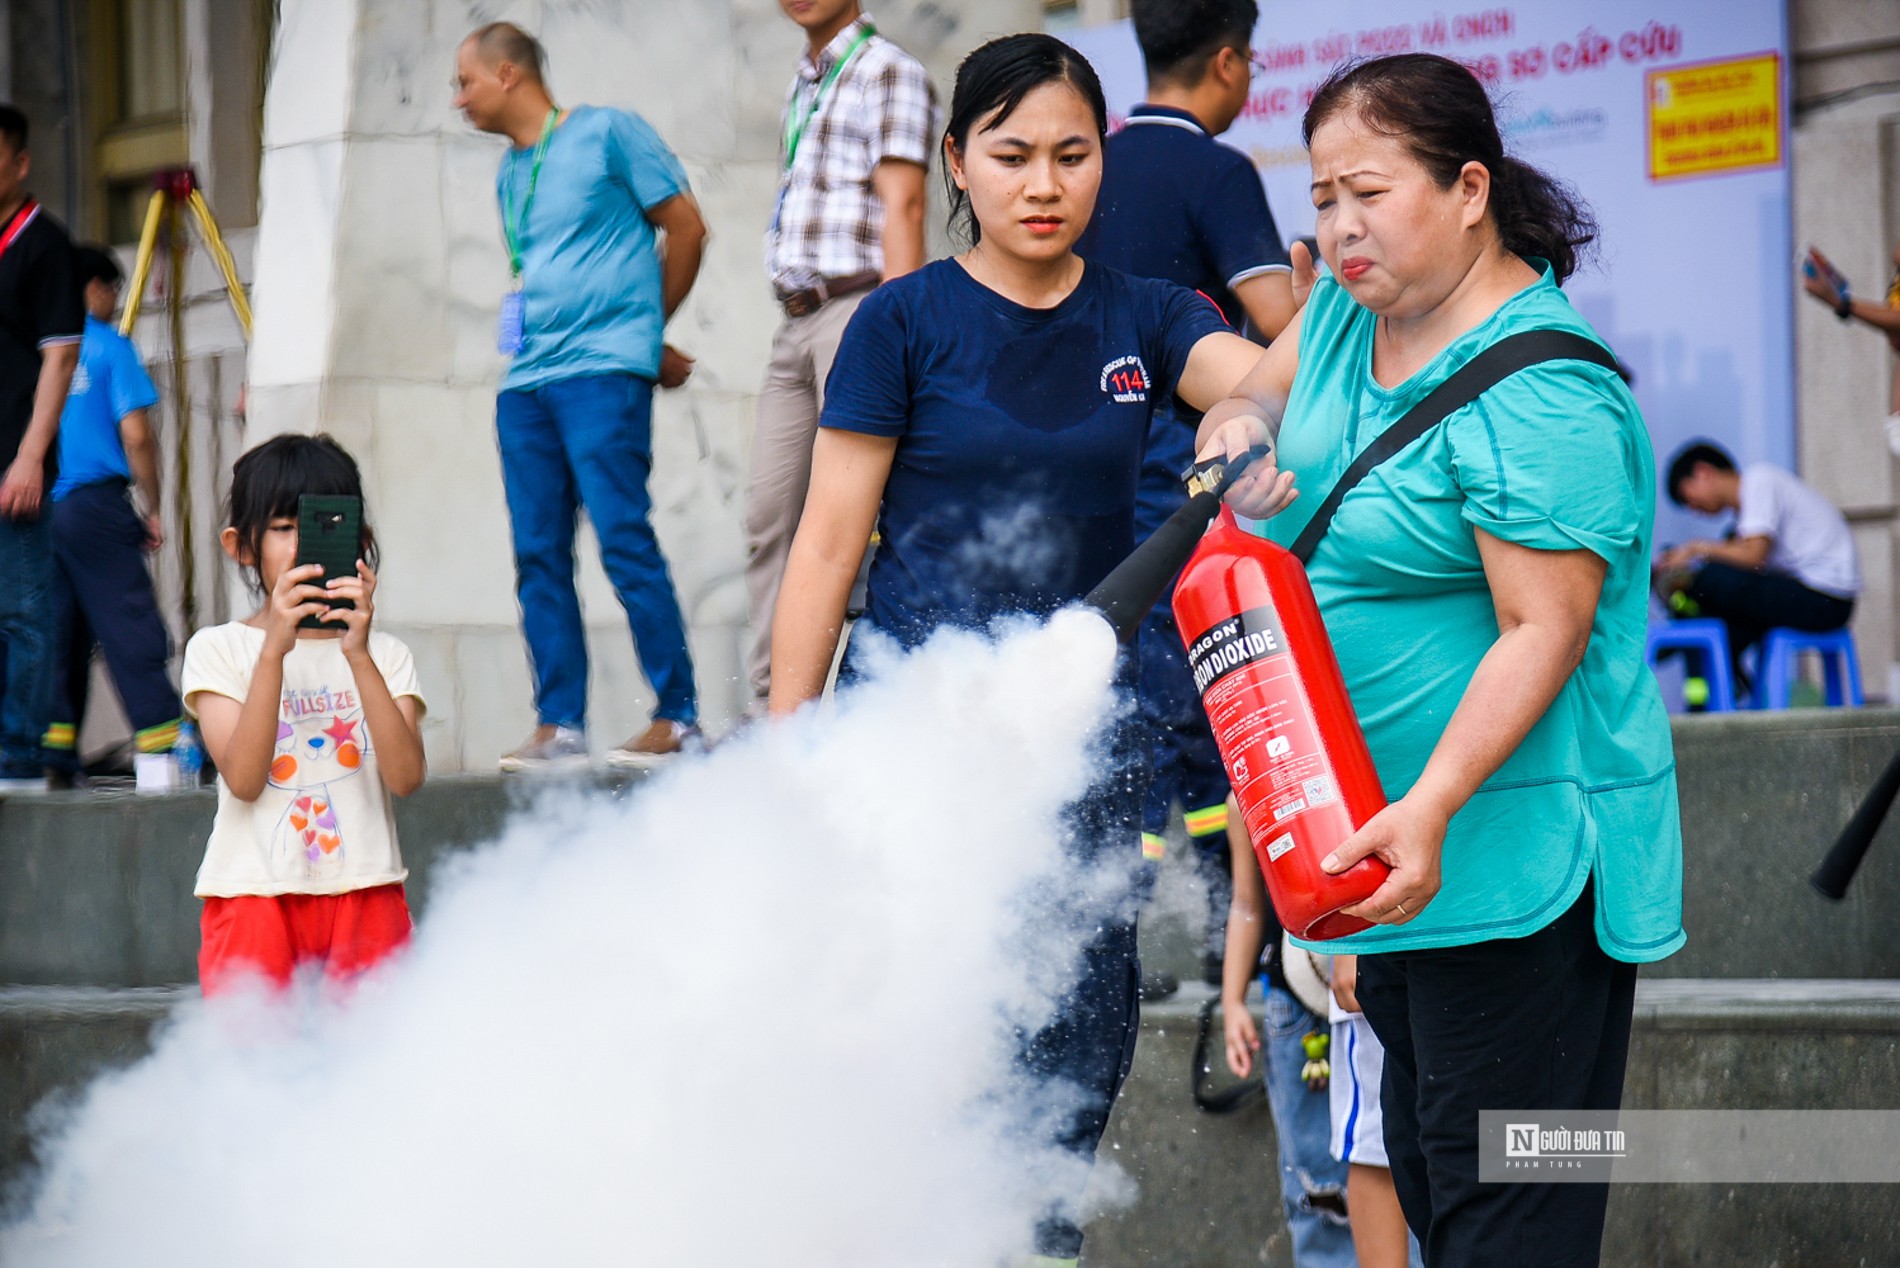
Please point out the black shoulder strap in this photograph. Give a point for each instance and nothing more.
(1473, 379)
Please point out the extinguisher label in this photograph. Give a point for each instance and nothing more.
(1262, 720)
(1233, 644)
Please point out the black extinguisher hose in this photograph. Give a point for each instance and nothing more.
(1127, 594)
(1228, 1099)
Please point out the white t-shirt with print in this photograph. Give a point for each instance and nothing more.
(1810, 540)
(323, 824)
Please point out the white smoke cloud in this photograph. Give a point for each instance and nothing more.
(758, 1012)
(1016, 548)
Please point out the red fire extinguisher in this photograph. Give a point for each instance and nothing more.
(1284, 723)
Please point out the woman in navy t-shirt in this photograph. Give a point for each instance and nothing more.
(988, 414)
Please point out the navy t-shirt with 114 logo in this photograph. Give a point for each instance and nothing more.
(1020, 433)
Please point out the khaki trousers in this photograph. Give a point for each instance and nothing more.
(794, 395)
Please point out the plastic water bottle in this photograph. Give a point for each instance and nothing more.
(189, 753)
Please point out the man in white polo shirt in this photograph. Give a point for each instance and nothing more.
(1789, 562)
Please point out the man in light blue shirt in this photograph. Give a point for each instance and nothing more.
(102, 590)
(584, 195)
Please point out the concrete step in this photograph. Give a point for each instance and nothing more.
(95, 889)
(1208, 1187)
(1763, 797)
(55, 1038)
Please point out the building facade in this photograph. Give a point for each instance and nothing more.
(362, 215)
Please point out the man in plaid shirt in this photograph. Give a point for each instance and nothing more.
(860, 122)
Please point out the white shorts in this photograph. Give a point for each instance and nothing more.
(1358, 1061)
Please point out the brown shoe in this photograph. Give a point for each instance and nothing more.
(653, 746)
(549, 749)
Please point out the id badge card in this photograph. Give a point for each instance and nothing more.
(511, 330)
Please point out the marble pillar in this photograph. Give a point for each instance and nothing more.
(379, 267)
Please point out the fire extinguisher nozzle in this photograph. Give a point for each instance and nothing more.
(1127, 594)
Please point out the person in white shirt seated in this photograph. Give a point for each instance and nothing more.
(1788, 562)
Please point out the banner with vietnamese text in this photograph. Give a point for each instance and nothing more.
(1668, 116)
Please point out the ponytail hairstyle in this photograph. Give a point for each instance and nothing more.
(991, 83)
(1438, 111)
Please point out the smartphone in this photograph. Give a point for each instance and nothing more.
(1814, 264)
(330, 533)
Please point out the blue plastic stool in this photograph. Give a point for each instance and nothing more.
(1781, 657)
(1702, 636)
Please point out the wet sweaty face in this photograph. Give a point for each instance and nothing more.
(1033, 177)
(1389, 233)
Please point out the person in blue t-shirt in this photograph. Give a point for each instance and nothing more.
(585, 194)
(988, 413)
(103, 592)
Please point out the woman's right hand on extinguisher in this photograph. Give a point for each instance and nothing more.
(1233, 427)
(1243, 1036)
(1407, 836)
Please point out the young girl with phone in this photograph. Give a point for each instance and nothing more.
(311, 730)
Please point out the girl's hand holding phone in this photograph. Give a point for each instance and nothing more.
(355, 621)
(292, 599)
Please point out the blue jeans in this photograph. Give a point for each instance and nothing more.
(28, 625)
(1302, 1121)
(587, 441)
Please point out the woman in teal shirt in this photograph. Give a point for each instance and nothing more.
(1486, 591)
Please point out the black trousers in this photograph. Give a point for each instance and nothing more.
(1080, 1060)
(1752, 603)
(1076, 1064)
(1541, 1022)
(104, 596)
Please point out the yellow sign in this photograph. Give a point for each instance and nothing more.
(1713, 117)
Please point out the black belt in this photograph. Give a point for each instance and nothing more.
(812, 298)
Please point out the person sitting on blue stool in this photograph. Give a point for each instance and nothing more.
(1788, 562)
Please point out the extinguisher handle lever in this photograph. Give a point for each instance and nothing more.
(1217, 475)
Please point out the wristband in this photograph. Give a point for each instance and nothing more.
(1845, 309)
